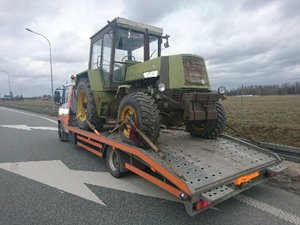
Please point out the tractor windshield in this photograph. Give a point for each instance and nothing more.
(130, 46)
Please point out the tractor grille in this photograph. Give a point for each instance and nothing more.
(194, 71)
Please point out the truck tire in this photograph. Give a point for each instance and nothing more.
(62, 135)
(114, 162)
(209, 129)
(143, 110)
(86, 107)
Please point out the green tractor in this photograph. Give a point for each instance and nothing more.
(129, 83)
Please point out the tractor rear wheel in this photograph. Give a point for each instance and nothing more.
(144, 113)
(86, 107)
(209, 129)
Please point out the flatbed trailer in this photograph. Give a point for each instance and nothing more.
(200, 173)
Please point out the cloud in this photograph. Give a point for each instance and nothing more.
(243, 42)
(151, 11)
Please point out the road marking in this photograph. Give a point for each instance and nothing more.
(269, 209)
(56, 174)
(25, 127)
(28, 114)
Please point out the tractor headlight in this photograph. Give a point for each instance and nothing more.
(161, 87)
(221, 90)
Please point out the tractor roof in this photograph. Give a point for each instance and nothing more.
(133, 25)
(125, 23)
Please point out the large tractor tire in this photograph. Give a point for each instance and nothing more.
(143, 111)
(209, 129)
(86, 107)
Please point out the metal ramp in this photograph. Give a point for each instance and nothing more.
(205, 164)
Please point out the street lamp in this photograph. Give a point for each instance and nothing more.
(50, 56)
(9, 89)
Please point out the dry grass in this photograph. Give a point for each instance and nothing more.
(35, 102)
(30, 102)
(266, 118)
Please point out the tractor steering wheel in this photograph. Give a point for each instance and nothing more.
(126, 56)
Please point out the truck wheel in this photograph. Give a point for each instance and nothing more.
(86, 107)
(114, 162)
(143, 110)
(62, 135)
(209, 129)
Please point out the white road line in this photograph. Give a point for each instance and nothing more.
(28, 114)
(25, 127)
(269, 209)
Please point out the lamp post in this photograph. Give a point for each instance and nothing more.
(9, 89)
(50, 56)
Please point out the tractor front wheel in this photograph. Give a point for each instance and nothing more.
(138, 110)
(208, 129)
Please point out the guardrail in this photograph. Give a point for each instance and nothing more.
(288, 152)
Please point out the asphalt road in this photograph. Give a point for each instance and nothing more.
(45, 181)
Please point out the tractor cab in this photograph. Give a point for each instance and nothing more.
(120, 44)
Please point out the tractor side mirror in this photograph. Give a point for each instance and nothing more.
(57, 98)
(166, 44)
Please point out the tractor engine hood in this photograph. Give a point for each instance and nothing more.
(175, 71)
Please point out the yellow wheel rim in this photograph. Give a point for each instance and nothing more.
(127, 111)
(81, 106)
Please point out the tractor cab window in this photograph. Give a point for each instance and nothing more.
(96, 54)
(129, 49)
(101, 56)
(130, 46)
(106, 54)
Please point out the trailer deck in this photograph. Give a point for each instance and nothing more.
(207, 171)
(206, 162)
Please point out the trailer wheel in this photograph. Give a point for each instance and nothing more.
(62, 135)
(86, 107)
(209, 129)
(143, 111)
(114, 162)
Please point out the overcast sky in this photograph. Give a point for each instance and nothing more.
(243, 42)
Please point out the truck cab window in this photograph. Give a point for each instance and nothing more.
(65, 95)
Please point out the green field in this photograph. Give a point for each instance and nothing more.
(263, 118)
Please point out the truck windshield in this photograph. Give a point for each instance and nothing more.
(130, 46)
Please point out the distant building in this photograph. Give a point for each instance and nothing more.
(7, 97)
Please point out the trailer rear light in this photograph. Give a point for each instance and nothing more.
(200, 205)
